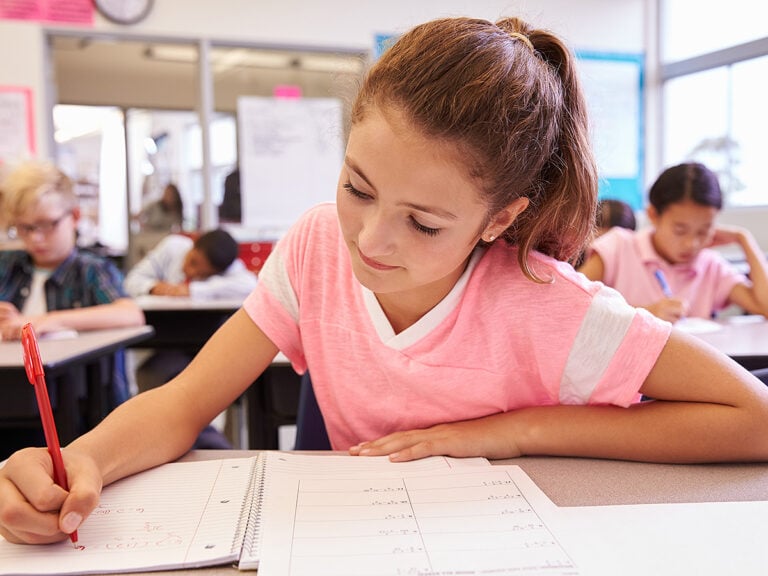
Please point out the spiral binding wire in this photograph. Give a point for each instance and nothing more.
(248, 537)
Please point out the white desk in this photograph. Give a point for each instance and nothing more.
(743, 338)
(570, 482)
(73, 372)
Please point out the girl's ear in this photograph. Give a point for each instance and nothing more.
(76, 213)
(503, 219)
(653, 215)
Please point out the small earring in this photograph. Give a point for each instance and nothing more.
(491, 238)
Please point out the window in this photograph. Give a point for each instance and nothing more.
(693, 28)
(713, 103)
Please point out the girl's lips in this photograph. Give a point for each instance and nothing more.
(373, 263)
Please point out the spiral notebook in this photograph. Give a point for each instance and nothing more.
(195, 514)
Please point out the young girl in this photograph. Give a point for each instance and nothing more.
(430, 303)
(667, 267)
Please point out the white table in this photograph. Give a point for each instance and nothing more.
(743, 338)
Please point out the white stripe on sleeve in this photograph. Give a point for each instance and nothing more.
(274, 276)
(601, 332)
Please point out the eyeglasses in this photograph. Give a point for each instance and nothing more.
(45, 227)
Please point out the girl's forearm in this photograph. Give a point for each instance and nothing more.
(655, 431)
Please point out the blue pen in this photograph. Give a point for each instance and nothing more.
(663, 283)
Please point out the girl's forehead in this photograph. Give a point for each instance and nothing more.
(689, 211)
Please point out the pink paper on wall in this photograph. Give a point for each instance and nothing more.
(69, 12)
(286, 91)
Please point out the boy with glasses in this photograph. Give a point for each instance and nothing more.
(51, 283)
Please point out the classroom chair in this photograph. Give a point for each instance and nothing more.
(310, 426)
(762, 375)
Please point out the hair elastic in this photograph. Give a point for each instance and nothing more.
(523, 38)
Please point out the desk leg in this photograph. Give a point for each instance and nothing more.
(69, 389)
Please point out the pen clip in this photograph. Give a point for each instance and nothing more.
(33, 364)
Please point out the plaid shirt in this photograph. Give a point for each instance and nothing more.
(82, 280)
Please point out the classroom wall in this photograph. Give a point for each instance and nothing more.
(585, 24)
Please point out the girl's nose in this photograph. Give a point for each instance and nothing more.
(376, 236)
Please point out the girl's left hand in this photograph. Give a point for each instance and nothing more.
(726, 235)
(490, 437)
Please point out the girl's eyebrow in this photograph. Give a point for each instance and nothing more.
(352, 165)
(440, 212)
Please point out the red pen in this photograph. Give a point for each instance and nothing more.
(34, 367)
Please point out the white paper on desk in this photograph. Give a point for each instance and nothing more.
(697, 325)
(179, 515)
(273, 467)
(476, 520)
(63, 334)
(343, 464)
(702, 539)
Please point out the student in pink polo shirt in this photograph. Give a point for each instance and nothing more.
(433, 303)
(669, 268)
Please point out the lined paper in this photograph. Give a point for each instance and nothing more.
(274, 466)
(178, 515)
(462, 521)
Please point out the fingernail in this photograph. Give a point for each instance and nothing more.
(70, 522)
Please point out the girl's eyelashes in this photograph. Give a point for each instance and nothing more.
(424, 229)
(355, 192)
(415, 224)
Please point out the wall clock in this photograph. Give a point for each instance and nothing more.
(124, 11)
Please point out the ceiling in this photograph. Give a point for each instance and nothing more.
(164, 75)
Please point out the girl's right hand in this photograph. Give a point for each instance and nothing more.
(669, 309)
(33, 509)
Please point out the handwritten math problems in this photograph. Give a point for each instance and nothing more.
(461, 523)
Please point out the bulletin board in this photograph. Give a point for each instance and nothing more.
(291, 151)
(17, 134)
(613, 86)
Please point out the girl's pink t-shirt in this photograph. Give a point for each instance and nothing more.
(497, 342)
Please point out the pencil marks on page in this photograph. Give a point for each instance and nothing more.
(419, 526)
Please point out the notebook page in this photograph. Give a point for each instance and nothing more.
(463, 521)
(275, 464)
(178, 515)
(314, 464)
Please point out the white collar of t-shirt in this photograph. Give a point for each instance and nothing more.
(35, 303)
(426, 323)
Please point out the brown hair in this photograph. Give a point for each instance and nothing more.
(28, 182)
(516, 115)
(612, 212)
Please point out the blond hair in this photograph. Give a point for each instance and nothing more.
(27, 183)
(508, 97)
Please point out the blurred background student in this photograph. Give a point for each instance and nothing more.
(612, 212)
(207, 268)
(669, 267)
(231, 208)
(49, 281)
(165, 214)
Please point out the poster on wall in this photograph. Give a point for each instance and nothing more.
(291, 150)
(69, 12)
(17, 135)
(613, 86)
